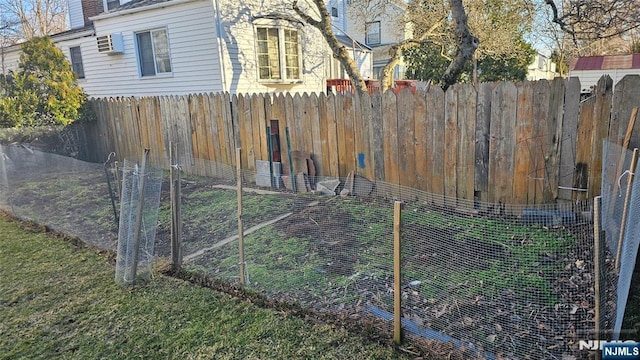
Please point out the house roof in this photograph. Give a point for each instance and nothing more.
(607, 62)
(136, 4)
(73, 33)
(349, 42)
(61, 36)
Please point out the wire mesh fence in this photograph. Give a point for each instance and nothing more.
(140, 200)
(59, 192)
(621, 208)
(505, 281)
(508, 281)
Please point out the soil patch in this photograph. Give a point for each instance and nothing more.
(442, 248)
(326, 228)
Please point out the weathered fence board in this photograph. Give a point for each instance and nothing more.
(569, 140)
(377, 137)
(331, 136)
(422, 143)
(364, 138)
(405, 136)
(349, 134)
(583, 153)
(450, 144)
(501, 144)
(483, 120)
(390, 138)
(466, 117)
(537, 141)
(602, 113)
(436, 122)
(260, 127)
(316, 142)
(553, 139)
(528, 143)
(522, 191)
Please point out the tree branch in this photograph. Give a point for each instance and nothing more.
(467, 44)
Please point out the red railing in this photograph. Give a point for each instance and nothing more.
(344, 85)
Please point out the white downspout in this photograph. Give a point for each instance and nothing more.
(223, 73)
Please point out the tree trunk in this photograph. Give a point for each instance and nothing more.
(339, 50)
(386, 78)
(467, 44)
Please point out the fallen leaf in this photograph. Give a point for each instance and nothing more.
(492, 338)
(574, 309)
(498, 327)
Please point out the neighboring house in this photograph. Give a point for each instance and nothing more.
(176, 47)
(379, 29)
(358, 50)
(541, 68)
(590, 69)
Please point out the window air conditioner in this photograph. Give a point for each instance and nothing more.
(110, 44)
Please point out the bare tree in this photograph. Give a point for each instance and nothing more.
(429, 29)
(595, 19)
(34, 18)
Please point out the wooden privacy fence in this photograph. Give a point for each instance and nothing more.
(514, 143)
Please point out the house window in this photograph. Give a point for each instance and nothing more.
(373, 33)
(278, 53)
(112, 4)
(76, 61)
(153, 52)
(334, 11)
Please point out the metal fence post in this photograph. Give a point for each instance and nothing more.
(176, 206)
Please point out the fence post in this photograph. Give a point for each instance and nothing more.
(625, 209)
(133, 270)
(397, 275)
(175, 190)
(597, 266)
(240, 226)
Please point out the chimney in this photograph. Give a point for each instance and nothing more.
(91, 8)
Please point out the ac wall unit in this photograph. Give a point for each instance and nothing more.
(111, 44)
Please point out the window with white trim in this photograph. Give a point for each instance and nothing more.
(76, 61)
(278, 51)
(373, 33)
(112, 4)
(153, 52)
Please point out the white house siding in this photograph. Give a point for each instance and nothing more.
(76, 19)
(589, 78)
(87, 46)
(239, 49)
(339, 21)
(9, 59)
(192, 42)
(393, 27)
